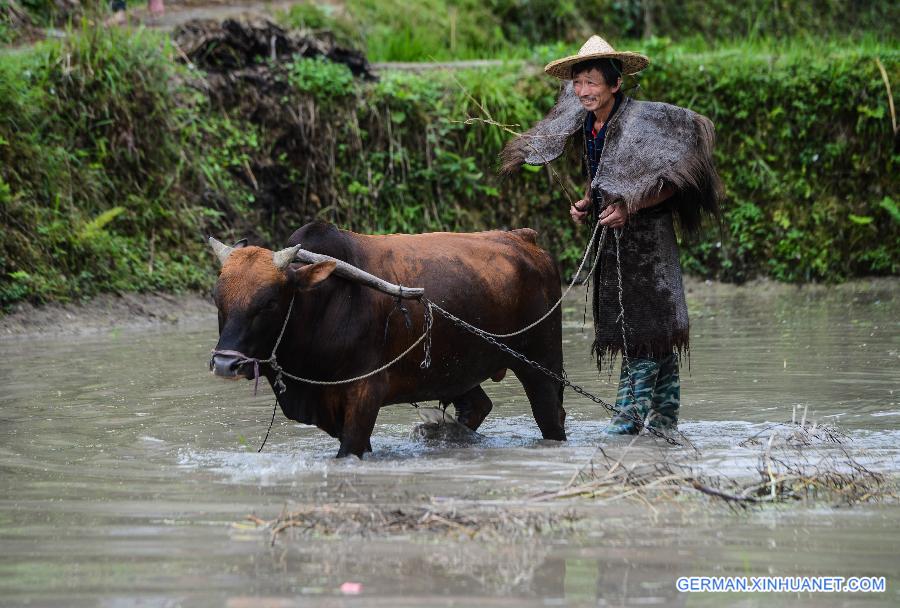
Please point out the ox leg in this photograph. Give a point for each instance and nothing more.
(472, 407)
(545, 395)
(359, 422)
(356, 433)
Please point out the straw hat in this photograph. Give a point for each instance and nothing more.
(597, 48)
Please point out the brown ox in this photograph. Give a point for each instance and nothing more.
(338, 328)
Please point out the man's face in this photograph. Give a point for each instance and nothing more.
(593, 91)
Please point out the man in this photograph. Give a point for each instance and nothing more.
(647, 163)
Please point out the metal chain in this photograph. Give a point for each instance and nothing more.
(618, 234)
(625, 358)
(429, 321)
(541, 368)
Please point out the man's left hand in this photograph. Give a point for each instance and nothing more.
(614, 216)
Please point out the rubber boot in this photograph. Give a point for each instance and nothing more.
(666, 400)
(635, 396)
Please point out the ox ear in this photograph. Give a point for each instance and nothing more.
(309, 276)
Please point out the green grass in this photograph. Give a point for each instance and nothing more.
(396, 30)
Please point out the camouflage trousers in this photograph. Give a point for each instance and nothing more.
(649, 392)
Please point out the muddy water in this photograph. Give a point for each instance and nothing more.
(127, 469)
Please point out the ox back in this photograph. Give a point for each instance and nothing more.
(498, 281)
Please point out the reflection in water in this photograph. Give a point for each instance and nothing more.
(125, 467)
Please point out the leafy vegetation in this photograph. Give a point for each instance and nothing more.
(395, 30)
(710, 21)
(114, 158)
(93, 170)
(806, 149)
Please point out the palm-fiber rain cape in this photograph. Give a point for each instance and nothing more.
(648, 145)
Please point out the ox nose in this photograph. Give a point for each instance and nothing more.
(225, 365)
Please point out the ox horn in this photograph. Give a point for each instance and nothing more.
(222, 250)
(285, 256)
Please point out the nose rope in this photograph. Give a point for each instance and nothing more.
(272, 361)
(241, 360)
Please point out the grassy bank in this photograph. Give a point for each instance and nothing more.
(114, 159)
(97, 186)
(394, 30)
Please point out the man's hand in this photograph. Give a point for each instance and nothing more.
(614, 216)
(579, 210)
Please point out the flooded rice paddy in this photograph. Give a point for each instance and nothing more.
(128, 472)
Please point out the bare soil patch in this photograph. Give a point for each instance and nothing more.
(105, 313)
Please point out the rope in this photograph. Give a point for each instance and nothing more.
(587, 253)
(268, 430)
(283, 327)
(272, 361)
(279, 387)
(425, 363)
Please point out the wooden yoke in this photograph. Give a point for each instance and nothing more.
(353, 273)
